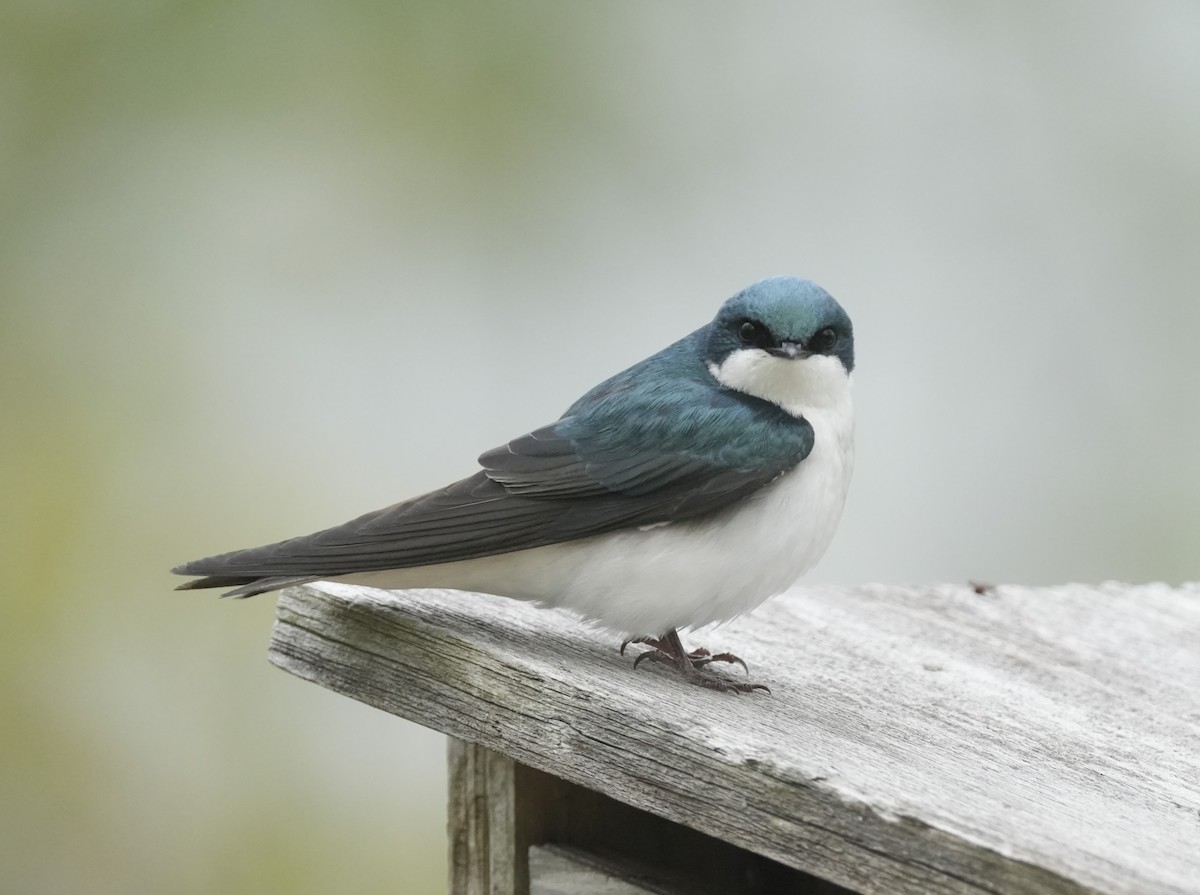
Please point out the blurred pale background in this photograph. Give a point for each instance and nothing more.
(266, 266)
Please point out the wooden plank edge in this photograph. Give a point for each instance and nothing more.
(408, 666)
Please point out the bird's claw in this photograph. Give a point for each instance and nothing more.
(712, 682)
(625, 643)
(654, 656)
(669, 650)
(701, 657)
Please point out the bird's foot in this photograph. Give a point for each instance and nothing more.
(701, 657)
(663, 651)
(669, 650)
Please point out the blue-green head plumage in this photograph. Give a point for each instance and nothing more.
(788, 316)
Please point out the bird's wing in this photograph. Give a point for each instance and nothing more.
(616, 462)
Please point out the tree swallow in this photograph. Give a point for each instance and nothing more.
(683, 491)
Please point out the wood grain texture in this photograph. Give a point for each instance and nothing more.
(564, 871)
(501, 811)
(482, 823)
(919, 739)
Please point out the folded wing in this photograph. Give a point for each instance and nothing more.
(613, 464)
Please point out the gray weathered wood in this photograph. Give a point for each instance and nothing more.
(919, 739)
(563, 871)
(486, 856)
(502, 811)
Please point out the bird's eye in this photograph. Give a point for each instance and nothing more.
(824, 340)
(750, 333)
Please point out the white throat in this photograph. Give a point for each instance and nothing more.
(798, 386)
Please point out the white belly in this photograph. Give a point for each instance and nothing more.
(648, 581)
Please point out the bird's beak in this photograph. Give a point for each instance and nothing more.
(789, 350)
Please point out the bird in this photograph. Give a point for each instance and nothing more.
(680, 492)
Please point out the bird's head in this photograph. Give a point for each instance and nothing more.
(783, 339)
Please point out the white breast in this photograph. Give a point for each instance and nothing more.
(688, 575)
(648, 581)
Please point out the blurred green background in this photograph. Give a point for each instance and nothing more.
(265, 266)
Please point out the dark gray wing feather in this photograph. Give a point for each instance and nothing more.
(668, 455)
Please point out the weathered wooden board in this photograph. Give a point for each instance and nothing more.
(502, 811)
(918, 739)
(560, 871)
(484, 834)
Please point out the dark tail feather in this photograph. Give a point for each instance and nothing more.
(243, 585)
(213, 581)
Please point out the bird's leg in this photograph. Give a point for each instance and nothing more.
(669, 650)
